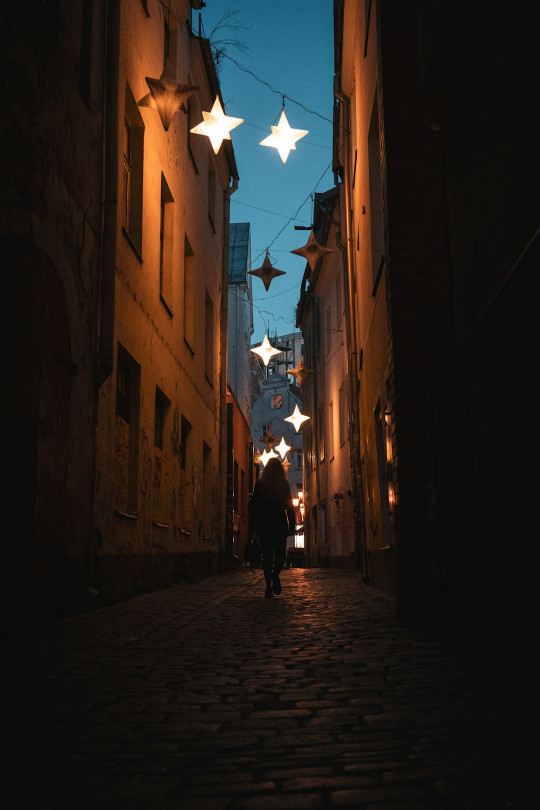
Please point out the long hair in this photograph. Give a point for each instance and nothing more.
(274, 481)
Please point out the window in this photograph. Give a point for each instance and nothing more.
(209, 369)
(342, 416)
(331, 431)
(185, 430)
(298, 459)
(375, 193)
(320, 428)
(243, 494)
(236, 489)
(122, 390)
(212, 193)
(132, 182)
(189, 294)
(166, 229)
(161, 407)
(192, 119)
(338, 298)
(328, 329)
(277, 400)
(128, 383)
(265, 429)
(85, 60)
(170, 38)
(207, 492)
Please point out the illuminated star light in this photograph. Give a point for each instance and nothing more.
(266, 272)
(283, 448)
(312, 251)
(297, 418)
(166, 96)
(269, 440)
(217, 125)
(266, 456)
(300, 372)
(265, 351)
(286, 464)
(283, 137)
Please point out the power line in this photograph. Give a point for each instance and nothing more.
(275, 90)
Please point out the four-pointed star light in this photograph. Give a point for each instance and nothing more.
(216, 125)
(266, 272)
(297, 418)
(283, 137)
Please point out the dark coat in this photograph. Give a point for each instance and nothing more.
(267, 518)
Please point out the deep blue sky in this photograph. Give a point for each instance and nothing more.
(290, 46)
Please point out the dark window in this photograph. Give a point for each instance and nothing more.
(184, 433)
(122, 390)
(160, 409)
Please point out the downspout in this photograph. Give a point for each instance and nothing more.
(228, 192)
(110, 195)
(352, 339)
(107, 280)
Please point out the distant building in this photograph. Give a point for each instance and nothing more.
(240, 314)
(278, 398)
(330, 529)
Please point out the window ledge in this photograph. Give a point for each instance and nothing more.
(132, 245)
(128, 515)
(167, 307)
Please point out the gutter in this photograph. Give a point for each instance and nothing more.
(105, 360)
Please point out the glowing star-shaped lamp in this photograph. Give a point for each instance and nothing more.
(217, 125)
(285, 464)
(269, 440)
(312, 251)
(300, 372)
(297, 418)
(166, 96)
(283, 138)
(266, 272)
(266, 456)
(265, 351)
(283, 448)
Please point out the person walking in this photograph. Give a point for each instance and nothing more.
(272, 518)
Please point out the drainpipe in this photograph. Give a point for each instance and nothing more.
(352, 338)
(109, 190)
(110, 195)
(223, 372)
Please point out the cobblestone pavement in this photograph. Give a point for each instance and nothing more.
(209, 697)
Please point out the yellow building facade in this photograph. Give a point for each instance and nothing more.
(160, 499)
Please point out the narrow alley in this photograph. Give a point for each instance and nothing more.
(209, 697)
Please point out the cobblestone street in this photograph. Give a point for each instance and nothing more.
(209, 697)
